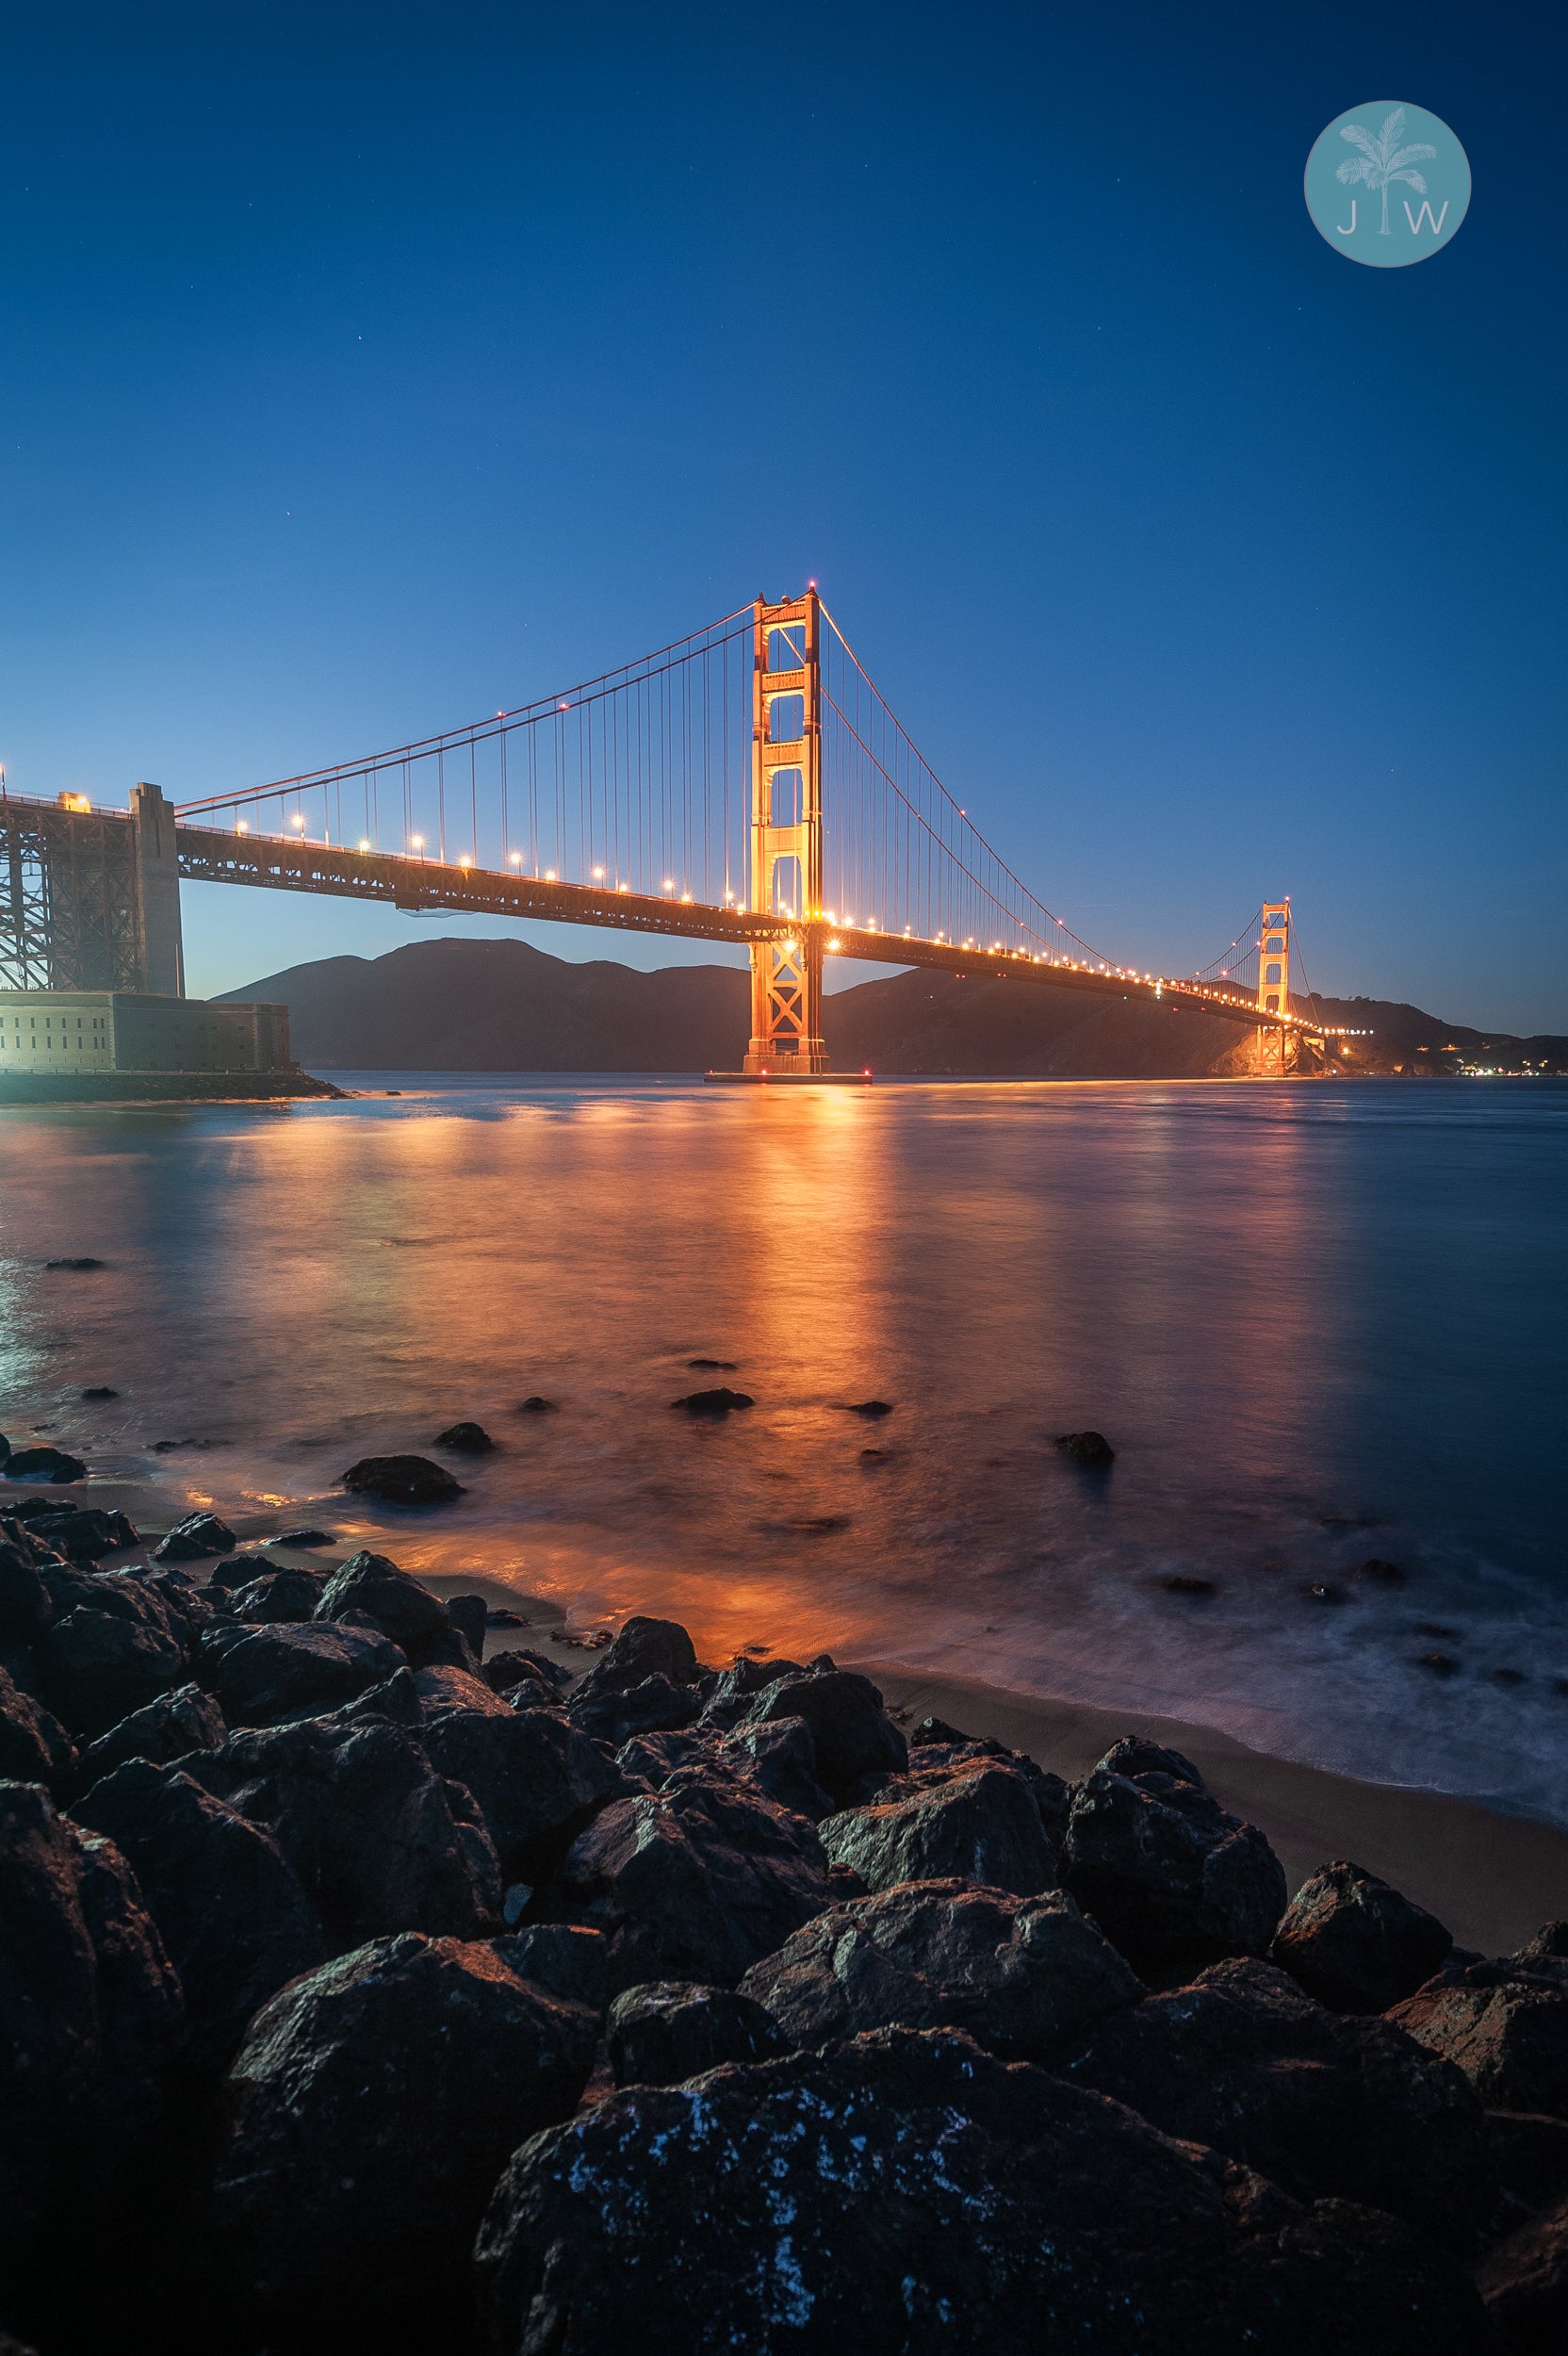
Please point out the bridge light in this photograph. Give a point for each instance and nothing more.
(242, 826)
(908, 930)
(550, 875)
(598, 874)
(465, 862)
(623, 887)
(297, 819)
(833, 945)
(516, 858)
(364, 842)
(416, 842)
(685, 899)
(669, 883)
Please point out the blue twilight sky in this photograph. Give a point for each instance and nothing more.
(365, 370)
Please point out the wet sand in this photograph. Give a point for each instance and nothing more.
(1492, 1879)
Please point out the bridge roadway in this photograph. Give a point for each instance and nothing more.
(286, 863)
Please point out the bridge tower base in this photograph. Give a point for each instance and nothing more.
(785, 876)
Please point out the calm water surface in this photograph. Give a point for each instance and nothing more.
(1319, 1323)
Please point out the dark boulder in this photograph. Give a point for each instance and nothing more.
(739, 1685)
(1326, 2104)
(721, 1402)
(403, 1481)
(980, 1823)
(199, 1534)
(470, 1616)
(97, 1664)
(696, 1881)
(855, 1741)
(1167, 1872)
(1525, 2285)
(466, 1439)
(400, 1605)
(262, 1673)
(614, 1716)
(641, 1648)
(303, 1538)
(780, 1759)
(1135, 1755)
(649, 1760)
(367, 1824)
(1545, 1955)
(536, 1405)
(872, 1408)
(26, 1609)
(1024, 1976)
(185, 1719)
(230, 1909)
(537, 1780)
(92, 2014)
(402, 2075)
(283, 1595)
(663, 2030)
(443, 1690)
(86, 1534)
(1506, 2030)
(1356, 1944)
(1091, 1450)
(797, 2205)
(566, 1959)
(34, 1746)
(43, 1464)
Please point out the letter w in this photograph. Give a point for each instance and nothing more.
(1426, 214)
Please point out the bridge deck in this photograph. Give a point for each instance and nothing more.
(213, 855)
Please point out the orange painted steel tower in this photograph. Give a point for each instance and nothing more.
(786, 846)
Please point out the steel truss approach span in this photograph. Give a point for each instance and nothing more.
(747, 784)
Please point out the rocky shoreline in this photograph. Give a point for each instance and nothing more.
(370, 1986)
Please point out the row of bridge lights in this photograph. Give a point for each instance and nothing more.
(1159, 982)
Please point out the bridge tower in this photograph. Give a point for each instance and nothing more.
(786, 842)
(1274, 977)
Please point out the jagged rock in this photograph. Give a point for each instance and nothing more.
(935, 1762)
(442, 1691)
(1326, 2104)
(264, 1673)
(92, 2011)
(505, 1670)
(303, 1538)
(696, 1881)
(26, 1609)
(1545, 1955)
(982, 1825)
(43, 1464)
(229, 1907)
(1506, 2030)
(1356, 1944)
(366, 1822)
(614, 1716)
(404, 1611)
(403, 1479)
(199, 1534)
(1525, 2285)
(1167, 1872)
(537, 1780)
(185, 1719)
(641, 1648)
(466, 1439)
(1024, 1976)
(85, 1533)
(853, 1736)
(396, 1697)
(567, 1960)
(739, 1685)
(663, 2030)
(647, 1759)
(1135, 1755)
(470, 1616)
(406, 2072)
(795, 2204)
(780, 1759)
(280, 1594)
(34, 1746)
(96, 1665)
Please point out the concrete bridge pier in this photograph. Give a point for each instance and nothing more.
(157, 881)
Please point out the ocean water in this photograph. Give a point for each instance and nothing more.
(1319, 1323)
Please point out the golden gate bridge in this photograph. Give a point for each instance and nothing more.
(748, 783)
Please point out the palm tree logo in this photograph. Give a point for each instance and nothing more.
(1382, 160)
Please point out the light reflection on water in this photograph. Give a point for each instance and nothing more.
(1287, 1307)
